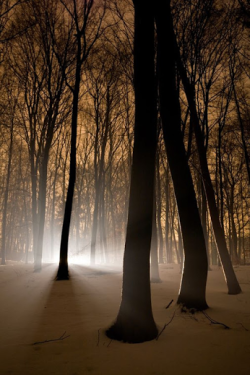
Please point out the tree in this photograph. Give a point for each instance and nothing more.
(11, 115)
(43, 87)
(194, 277)
(232, 283)
(135, 322)
(86, 24)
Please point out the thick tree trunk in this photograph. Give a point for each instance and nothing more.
(194, 277)
(135, 321)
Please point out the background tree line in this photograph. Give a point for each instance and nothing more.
(38, 49)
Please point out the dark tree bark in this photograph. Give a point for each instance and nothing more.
(154, 264)
(194, 277)
(83, 48)
(6, 193)
(159, 209)
(168, 238)
(63, 272)
(135, 321)
(242, 130)
(100, 179)
(41, 211)
(232, 282)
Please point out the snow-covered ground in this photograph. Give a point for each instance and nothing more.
(35, 308)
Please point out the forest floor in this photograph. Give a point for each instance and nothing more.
(35, 309)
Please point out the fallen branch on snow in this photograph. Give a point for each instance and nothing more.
(109, 343)
(170, 303)
(214, 321)
(98, 337)
(243, 327)
(159, 334)
(63, 337)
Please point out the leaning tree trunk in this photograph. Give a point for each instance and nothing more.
(194, 277)
(63, 272)
(232, 282)
(135, 321)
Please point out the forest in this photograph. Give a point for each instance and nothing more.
(124, 180)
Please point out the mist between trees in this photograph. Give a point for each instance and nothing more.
(68, 127)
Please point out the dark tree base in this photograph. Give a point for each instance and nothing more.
(155, 280)
(234, 290)
(192, 305)
(131, 334)
(63, 272)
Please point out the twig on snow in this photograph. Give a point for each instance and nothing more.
(214, 321)
(244, 327)
(170, 303)
(109, 343)
(193, 317)
(63, 337)
(98, 337)
(159, 334)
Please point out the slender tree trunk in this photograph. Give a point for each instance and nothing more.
(159, 209)
(63, 273)
(167, 218)
(154, 265)
(242, 130)
(135, 321)
(112, 213)
(232, 282)
(220, 180)
(41, 211)
(52, 224)
(6, 195)
(180, 248)
(194, 277)
(27, 242)
(34, 203)
(204, 221)
(233, 228)
(94, 226)
(102, 223)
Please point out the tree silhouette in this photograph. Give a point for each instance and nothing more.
(135, 322)
(193, 284)
(87, 31)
